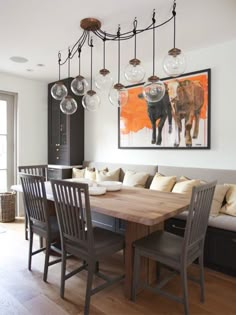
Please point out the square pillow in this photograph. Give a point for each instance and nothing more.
(78, 173)
(218, 198)
(90, 173)
(163, 183)
(230, 206)
(106, 175)
(135, 179)
(186, 186)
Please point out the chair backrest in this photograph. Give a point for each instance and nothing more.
(198, 216)
(73, 213)
(35, 199)
(39, 170)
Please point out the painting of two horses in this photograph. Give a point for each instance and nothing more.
(180, 120)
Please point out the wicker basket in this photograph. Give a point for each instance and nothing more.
(7, 206)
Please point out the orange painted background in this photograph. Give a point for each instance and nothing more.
(134, 116)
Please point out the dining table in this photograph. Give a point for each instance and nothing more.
(144, 211)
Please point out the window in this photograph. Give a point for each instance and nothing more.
(6, 141)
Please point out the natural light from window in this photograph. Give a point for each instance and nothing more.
(3, 145)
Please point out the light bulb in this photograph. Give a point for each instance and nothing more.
(153, 89)
(79, 85)
(103, 80)
(174, 63)
(118, 95)
(68, 105)
(91, 101)
(134, 72)
(58, 91)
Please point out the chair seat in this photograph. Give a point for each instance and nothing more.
(165, 246)
(40, 228)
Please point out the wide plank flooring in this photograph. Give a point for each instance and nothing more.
(23, 292)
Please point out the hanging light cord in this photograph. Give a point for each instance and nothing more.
(79, 53)
(135, 36)
(118, 36)
(59, 65)
(69, 57)
(104, 52)
(91, 69)
(154, 42)
(174, 14)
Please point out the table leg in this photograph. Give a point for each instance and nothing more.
(133, 232)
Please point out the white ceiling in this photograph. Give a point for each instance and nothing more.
(37, 29)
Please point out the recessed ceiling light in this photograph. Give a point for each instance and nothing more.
(30, 70)
(18, 59)
(40, 65)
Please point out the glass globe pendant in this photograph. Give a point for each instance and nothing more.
(134, 72)
(118, 95)
(79, 85)
(91, 101)
(68, 105)
(103, 79)
(153, 90)
(174, 63)
(58, 91)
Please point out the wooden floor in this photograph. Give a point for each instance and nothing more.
(23, 292)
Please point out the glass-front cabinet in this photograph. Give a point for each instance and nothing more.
(65, 132)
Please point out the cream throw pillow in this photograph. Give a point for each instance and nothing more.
(104, 175)
(78, 173)
(218, 199)
(230, 206)
(90, 173)
(163, 183)
(185, 186)
(135, 179)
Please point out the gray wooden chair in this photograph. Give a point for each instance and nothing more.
(80, 238)
(178, 252)
(40, 222)
(40, 170)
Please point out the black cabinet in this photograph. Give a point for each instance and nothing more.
(65, 132)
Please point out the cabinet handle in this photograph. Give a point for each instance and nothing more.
(57, 149)
(178, 227)
(57, 158)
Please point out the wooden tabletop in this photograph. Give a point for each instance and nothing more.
(139, 205)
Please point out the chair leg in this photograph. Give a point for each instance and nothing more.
(40, 242)
(46, 262)
(135, 274)
(26, 227)
(63, 274)
(31, 235)
(91, 270)
(183, 274)
(202, 284)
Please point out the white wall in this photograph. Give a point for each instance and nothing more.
(31, 118)
(101, 128)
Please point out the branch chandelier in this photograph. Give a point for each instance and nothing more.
(153, 90)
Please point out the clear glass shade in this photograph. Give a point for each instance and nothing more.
(118, 96)
(79, 85)
(174, 65)
(134, 73)
(58, 91)
(103, 81)
(154, 91)
(91, 101)
(68, 105)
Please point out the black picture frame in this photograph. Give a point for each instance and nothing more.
(134, 123)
